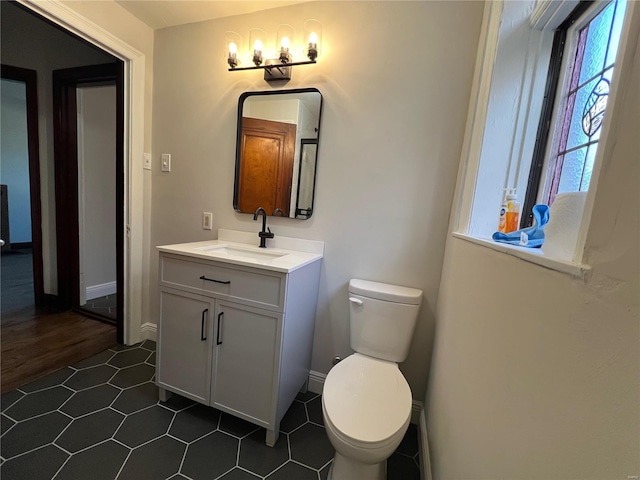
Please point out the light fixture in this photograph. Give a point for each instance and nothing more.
(312, 34)
(285, 34)
(256, 42)
(287, 50)
(232, 42)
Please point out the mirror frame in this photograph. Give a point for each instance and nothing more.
(241, 101)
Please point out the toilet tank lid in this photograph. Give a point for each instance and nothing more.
(385, 291)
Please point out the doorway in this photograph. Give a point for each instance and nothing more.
(22, 270)
(66, 19)
(267, 149)
(89, 177)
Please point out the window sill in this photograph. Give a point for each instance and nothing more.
(531, 255)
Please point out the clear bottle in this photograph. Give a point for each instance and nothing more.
(502, 221)
(512, 214)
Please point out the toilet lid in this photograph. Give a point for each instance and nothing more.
(367, 399)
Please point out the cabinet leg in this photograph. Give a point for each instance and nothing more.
(164, 394)
(272, 437)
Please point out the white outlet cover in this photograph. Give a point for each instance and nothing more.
(207, 221)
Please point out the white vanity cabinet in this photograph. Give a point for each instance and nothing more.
(236, 337)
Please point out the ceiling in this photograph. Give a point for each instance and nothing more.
(167, 13)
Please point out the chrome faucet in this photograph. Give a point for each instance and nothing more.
(278, 211)
(266, 232)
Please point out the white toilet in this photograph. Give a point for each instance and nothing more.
(366, 401)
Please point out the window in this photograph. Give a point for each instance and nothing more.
(575, 102)
(544, 78)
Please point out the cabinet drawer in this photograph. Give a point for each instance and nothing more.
(264, 288)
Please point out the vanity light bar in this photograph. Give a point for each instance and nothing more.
(276, 68)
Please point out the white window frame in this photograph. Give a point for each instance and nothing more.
(544, 19)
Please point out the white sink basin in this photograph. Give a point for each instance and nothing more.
(243, 253)
(284, 254)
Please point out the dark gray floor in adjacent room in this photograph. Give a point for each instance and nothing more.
(101, 420)
(105, 306)
(16, 282)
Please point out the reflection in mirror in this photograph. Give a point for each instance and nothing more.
(276, 152)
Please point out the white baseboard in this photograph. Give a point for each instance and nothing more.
(316, 381)
(416, 411)
(149, 331)
(425, 459)
(102, 290)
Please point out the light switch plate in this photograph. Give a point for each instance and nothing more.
(166, 162)
(147, 161)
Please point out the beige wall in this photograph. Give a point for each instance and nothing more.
(535, 374)
(396, 78)
(97, 193)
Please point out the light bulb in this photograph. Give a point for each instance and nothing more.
(257, 53)
(284, 50)
(232, 59)
(313, 39)
(312, 52)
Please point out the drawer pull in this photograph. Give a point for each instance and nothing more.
(212, 280)
(220, 316)
(202, 335)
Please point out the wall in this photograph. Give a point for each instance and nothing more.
(14, 155)
(28, 42)
(96, 159)
(394, 110)
(535, 373)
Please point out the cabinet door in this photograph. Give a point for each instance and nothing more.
(246, 361)
(184, 344)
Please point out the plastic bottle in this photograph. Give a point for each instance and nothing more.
(502, 221)
(513, 212)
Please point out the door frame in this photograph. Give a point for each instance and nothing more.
(65, 140)
(71, 21)
(30, 78)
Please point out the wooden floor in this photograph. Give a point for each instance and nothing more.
(36, 343)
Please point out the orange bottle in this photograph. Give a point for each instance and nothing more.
(513, 212)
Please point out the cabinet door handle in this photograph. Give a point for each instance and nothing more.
(217, 281)
(220, 316)
(202, 335)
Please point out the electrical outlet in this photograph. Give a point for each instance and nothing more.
(166, 162)
(147, 161)
(207, 221)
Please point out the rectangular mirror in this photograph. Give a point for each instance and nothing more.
(277, 152)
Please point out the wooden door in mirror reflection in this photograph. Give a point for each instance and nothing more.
(266, 169)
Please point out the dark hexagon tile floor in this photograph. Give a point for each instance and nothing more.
(100, 419)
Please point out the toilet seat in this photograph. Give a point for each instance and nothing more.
(367, 401)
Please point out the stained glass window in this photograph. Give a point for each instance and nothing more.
(585, 100)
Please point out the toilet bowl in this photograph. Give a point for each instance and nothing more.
(366, 406)
(366, 401)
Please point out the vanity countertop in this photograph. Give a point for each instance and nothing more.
(239, 248)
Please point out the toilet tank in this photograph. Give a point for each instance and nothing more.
(382, 318)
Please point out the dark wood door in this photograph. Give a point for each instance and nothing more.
(266, 166)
